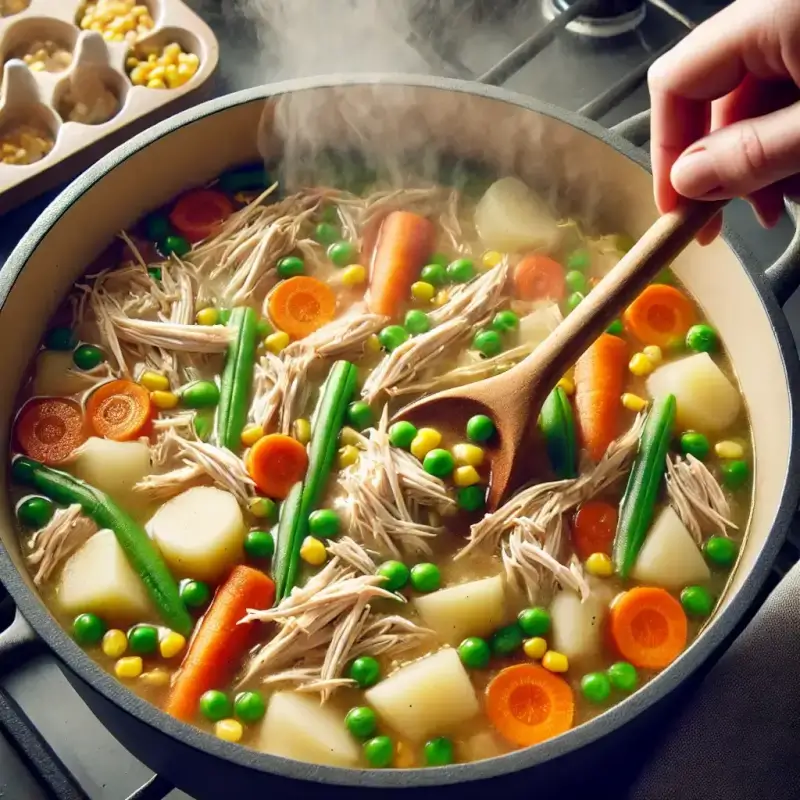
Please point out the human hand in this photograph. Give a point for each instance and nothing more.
(725, 111)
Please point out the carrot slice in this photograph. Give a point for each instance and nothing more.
(593, 529)
(527, 704)
(119, 410)
(220, 641)
(599, 380)
(300, 305)
(50, 428)
(198, 214)
(659, 315)
(538, 277)
(647, 626)
(276, 463)
(404, 243)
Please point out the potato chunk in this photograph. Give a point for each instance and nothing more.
(297, 726)
(431, 696)
(56, 375)
(200, 533)
(577, 626)
(113, 467)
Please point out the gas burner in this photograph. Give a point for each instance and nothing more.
(600, 19)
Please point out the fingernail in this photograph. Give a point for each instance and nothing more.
(694, 174)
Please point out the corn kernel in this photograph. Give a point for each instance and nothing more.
(348, 435)
(535, 648)
(251, 434)
(729, 449)
(37, 66)
(276, 342)
(156, 83)
(633, 402)
(172, 644)
(152, 58)
(403, 756)
(186, 70)
(171, 76)
(138, 11)
(301, 430)
(230, 730)
(373, 344)
(599, 565)
(131, 62)
(128, 667)
(426, 440)
(96, 26)
(467, 455)
(442, 297)
(207, 316)
(348, 455)
(422, 291)
(157, 73)
(260, 507)
(313, 552)
(108, 35)
(568, 385)
(164, 400)
(154, 381)
(354, 275)
(466, 476)
(640, 365)
(138, 76)
(172, 49)
(491, 258)
(115, 643)
(192, 59)
(155, 677)
(555, 661)
(653, 352)
(145, 21)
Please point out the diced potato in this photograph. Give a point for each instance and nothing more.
(706, 399)
(113, 467)
(200, 533)
(535, 327)
(432, 695)
(486, 744)
(470, 609)
(98, 579)
(577, 627)
(669, 557)
(56, 375)
(512, 219)
(297, 726)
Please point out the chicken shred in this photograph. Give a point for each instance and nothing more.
(68, 529)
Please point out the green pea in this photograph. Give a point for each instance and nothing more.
(435, 274)
(175, 245)
(480, 428)
(401, 434)
(365, 671)
(417, 322)
(259, 544)
(395, 575)
(578, 260)
(506, 640)
(425, 577)
(534, 621)
(264, 508)
(474, 652)
(439, 258)
(215, 705)
(291, 267)
(379, 751)
(361, 721)
(200, 394)
(203, 423)
(157, 227)
(439, 462)
(615, 328)
(471, 498)
(462, 270)
(35, 512)
(488, 343)
(60, 339)
(573, 301)
(438, 752)
(359, 415)
(342, 253)
(697, 601)
(263, 328)
(88, 629)
(505, 321)
(721, 551)
(325, 233)
(695, 444)
(329, 213)
(702, 339)
(324, 523)
(154, 273)
(392, 336)
(735, 474)
(195, 594)
(249, 706)
(143, 639)
(623, 676)
(576, 281)
(596, 687)
(88, 356)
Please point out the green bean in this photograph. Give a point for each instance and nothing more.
(558, 427)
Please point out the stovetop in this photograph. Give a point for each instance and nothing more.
(520, 44)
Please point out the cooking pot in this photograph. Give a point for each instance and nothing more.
(587, 171)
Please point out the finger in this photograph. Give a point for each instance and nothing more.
(710, 231)
(768, 205)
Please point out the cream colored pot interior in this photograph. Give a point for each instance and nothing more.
(582, 176)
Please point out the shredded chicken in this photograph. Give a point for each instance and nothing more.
(353, 554)
(63, 535)
(280, 389)
(343, 336)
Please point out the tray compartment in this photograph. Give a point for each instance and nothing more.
(25, 37)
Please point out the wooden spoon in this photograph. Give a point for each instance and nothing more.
(514, 398)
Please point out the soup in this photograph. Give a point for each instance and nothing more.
(218, 500)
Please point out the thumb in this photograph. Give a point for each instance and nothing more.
(737, 160)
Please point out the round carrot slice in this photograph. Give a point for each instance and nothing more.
(198, 214)
(50, 428)
(648, 627)
(593, 529)
(119, 410)
(538, 277)
(527, 704)
(659, 315)
(276, 463)
(300, 305)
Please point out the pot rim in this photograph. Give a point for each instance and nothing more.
(58, 640)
